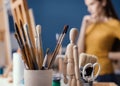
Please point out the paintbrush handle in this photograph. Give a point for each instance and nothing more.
(39, 46)
(30, 46)
(21, 48)
(18, 34)
(44, 62)
(28, 55)
(54, 56)
(27, 49)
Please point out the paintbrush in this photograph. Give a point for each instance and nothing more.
(21, 47)
(30, 47)
(22, 52)
(18, 34)
(27, 35)
(29, 50)
(58, 46)
(45, 60)
(39, 46)
(36, 48)
(21, 42)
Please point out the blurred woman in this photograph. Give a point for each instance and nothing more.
(98, 34)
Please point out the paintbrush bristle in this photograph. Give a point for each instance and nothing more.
(65, 29)
(38, 27)
(47, 51)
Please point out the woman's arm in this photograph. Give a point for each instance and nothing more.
(81, 38)
(80, 42)
(114, 55)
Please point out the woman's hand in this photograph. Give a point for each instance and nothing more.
(86, 21)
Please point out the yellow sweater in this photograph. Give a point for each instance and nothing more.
(99, 41)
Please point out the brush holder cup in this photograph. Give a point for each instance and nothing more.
(38, 77)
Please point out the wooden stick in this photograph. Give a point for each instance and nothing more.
(21, 47)
(24, 56)
(31, 48)
(24, 47)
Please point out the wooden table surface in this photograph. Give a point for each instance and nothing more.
(104, 84)
(4, 82)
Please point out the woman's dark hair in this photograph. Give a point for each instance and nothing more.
(109, 9)
(110, 12)
(116, 45)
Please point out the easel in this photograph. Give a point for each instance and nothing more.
(21, 13)
(4, 32)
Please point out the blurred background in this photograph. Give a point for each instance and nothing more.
(52, 15)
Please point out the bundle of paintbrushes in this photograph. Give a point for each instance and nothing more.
(32, 55)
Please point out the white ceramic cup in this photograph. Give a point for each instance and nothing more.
(38, 77)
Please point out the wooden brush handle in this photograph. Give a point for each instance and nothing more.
(40, 47)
